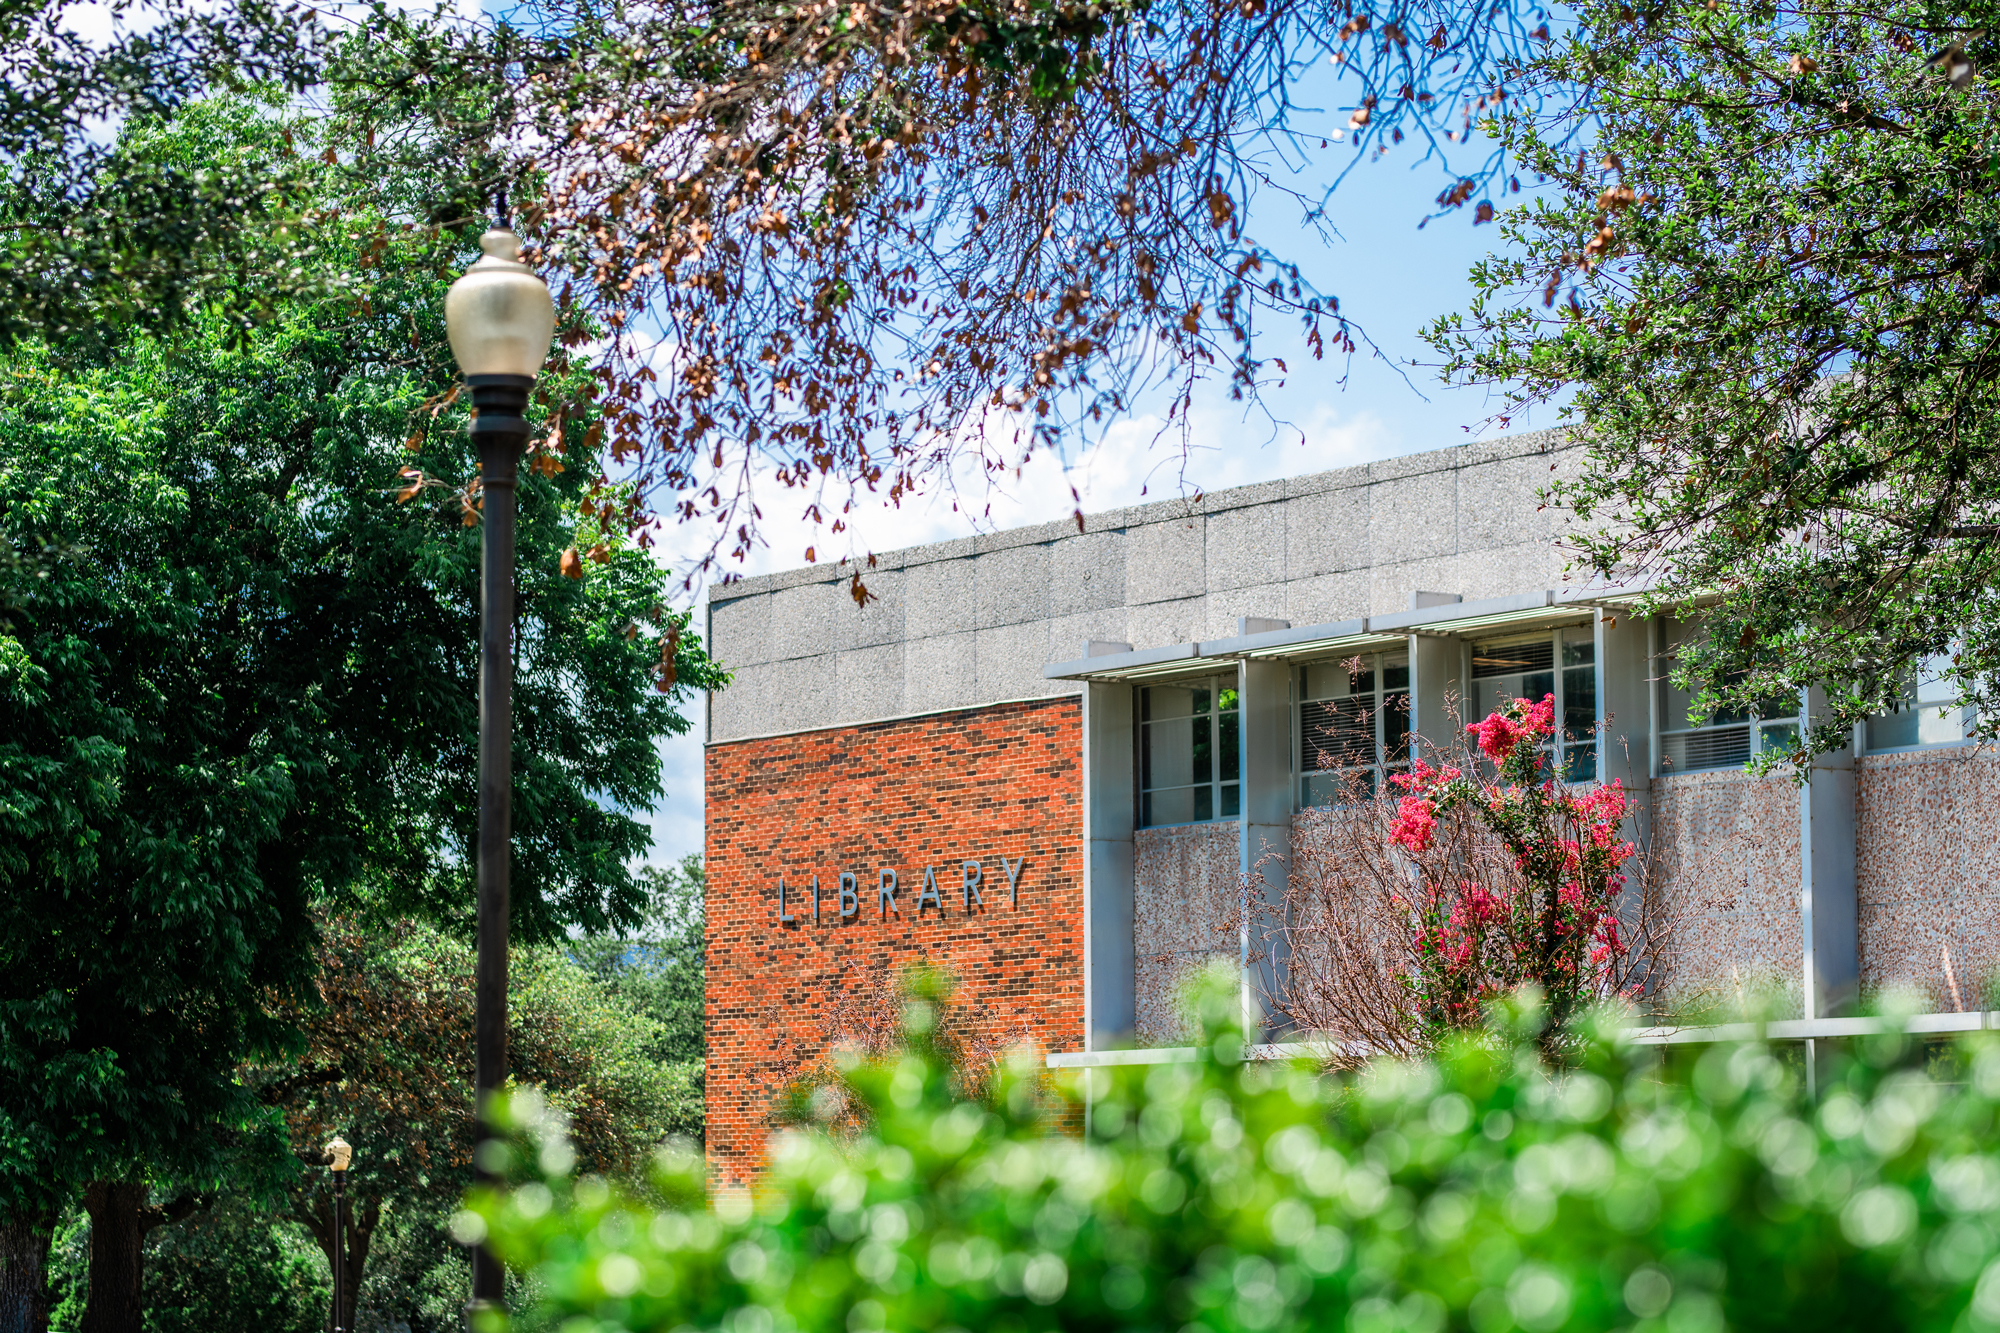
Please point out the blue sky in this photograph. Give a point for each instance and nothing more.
(1389, 276)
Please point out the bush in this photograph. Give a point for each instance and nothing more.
(1477, 1190)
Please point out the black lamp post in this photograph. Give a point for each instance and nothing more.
(499, 317)
(337, 1155)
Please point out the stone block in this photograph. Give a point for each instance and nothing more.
(1166, 561)
(1327, 598)
(1067, 634)
(805, 621)
(1413, 517)
(1160, 624)
(740, 628)
(1245, 547)
(738, 710)
(939, 672)
(1087, 573)
(879, 622)
(1326, 533)
(1011, 586)
(1224, 608)
(1498, 505)
(1008, 662)
(937, 598)
(870, 683)
(800, 694)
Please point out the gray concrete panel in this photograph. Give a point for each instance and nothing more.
(743, 624)
(1414, 517)
(1327, 598)
(806, 621)
(939, 672)
(870, 683)
(1011, 587)
(739, 710)
(938, 598)
(1326, 533)
(1087, 573)
(1165, 561)
(1245, 547)
(1158, 624)
(1498, 506)
(799, 695)
(1008, 662)
(881, 621)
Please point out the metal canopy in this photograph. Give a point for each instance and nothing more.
(1522, 611)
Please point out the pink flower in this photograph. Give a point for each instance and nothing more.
(1416, 822)
(1498, 735)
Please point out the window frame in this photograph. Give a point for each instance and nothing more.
(1757, 725)
(1217, 684)
(1558, 745)
(1966, 719)
(1383, 765)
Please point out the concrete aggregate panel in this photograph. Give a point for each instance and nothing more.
(743, 624)
(1413, 517)
(1225, 607)
(881, 621)
(1927, 873)
(1498, 506)
(870, 682)
(1326, 533)
(1165, 561)
(1068, 634)
(1087, 573)
(1327, 598)
(1728, 850)
(806, 621)
(1390, 585)
(1011, 587)
(1008, 662)
(939, 672)
(1500, 571)
(1245, 548)
(800, 694)
(738, 710)
(1185, 908)
(1158, 624)
(937, 598)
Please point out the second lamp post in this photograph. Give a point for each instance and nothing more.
(499, 317)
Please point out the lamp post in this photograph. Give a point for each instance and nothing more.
(337, 1154)
(499, 318)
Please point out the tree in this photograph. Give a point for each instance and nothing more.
(660, 969)
(236, 685)
(385, 1066)
(1778, 340)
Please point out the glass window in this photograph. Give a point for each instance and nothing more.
(1927, 713)
(1354, 724)
(1728, 738)
(1190, 756)
(1559, 662)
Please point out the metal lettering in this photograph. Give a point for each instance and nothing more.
(929, 893)
(850, 897)
(971, 872)
(1014, 876)
(815, 900)
(885, 893)
(783, 919)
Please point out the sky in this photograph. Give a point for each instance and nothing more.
(1390, 277)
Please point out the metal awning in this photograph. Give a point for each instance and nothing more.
(1523, 611)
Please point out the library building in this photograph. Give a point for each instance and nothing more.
(1046, 758)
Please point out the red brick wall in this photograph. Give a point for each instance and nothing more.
(977, 783)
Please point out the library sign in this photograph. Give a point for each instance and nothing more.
(843, 903)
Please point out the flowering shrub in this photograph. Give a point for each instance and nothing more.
(1406, 910)
(1550, 919)
(1481, 1190)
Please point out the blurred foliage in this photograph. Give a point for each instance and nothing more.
(1479, 1190)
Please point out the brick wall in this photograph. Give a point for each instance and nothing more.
(930, 791)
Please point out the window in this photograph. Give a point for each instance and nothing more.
(1726, 739)
(1189, 756)
(1354, 724)
(1926, 714)
(1559, 662)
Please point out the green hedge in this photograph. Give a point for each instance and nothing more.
(1478, 1191)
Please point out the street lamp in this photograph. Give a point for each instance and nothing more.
(337, 1155)
(499, 318)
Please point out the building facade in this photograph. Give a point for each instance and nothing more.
(1047, 757)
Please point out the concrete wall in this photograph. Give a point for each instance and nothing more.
(973, 621)
(1186, 909)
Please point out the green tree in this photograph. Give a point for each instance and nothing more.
(660, 969)
(1760, 278)
(236, 686)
